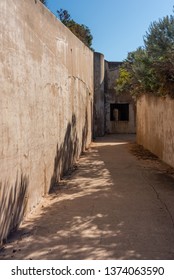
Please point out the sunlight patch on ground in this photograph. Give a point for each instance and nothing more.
(102, 144)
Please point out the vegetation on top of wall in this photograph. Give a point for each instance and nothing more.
(44, 2)
(150, 69)
(80, 30)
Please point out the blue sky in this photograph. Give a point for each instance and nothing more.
(117, 26)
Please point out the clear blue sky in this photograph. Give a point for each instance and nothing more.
(117, 26)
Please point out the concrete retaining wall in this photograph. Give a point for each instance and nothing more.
(99, 72)
(46, 105)
(155, 126)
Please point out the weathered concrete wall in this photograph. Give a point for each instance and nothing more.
(99, 117)
(117, 126)
(155, 126)
(46, 105)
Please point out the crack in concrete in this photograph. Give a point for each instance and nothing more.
(159, 198)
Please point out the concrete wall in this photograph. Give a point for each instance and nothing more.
(105, 74)
(99, 71)
(46, 105)
(155, 126)
(117, 126)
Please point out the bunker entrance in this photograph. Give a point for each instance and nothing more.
(119, 112)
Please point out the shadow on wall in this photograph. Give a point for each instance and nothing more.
(85, 133)
(13, 201)
(69, 151)
(13, 198)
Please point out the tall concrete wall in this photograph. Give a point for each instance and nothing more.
(155, 126)
(99, 112)
(46, 105)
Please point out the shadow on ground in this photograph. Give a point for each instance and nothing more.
(107, 209)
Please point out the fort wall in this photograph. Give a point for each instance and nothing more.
(46, 105)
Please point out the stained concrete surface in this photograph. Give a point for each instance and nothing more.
(113, 206)
(155, 129)
(46, 105)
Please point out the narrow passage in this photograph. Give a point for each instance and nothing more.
(113, 206)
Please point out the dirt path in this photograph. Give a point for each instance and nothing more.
(113, 206)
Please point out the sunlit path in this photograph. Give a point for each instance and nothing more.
(113, 206)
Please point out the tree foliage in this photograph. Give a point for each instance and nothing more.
(44, 2)
(80, 30)
(124, 80)
(151, 68)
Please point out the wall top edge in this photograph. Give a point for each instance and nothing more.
(45, 9)
(98, 54)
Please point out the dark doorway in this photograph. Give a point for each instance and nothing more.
(119, 112)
